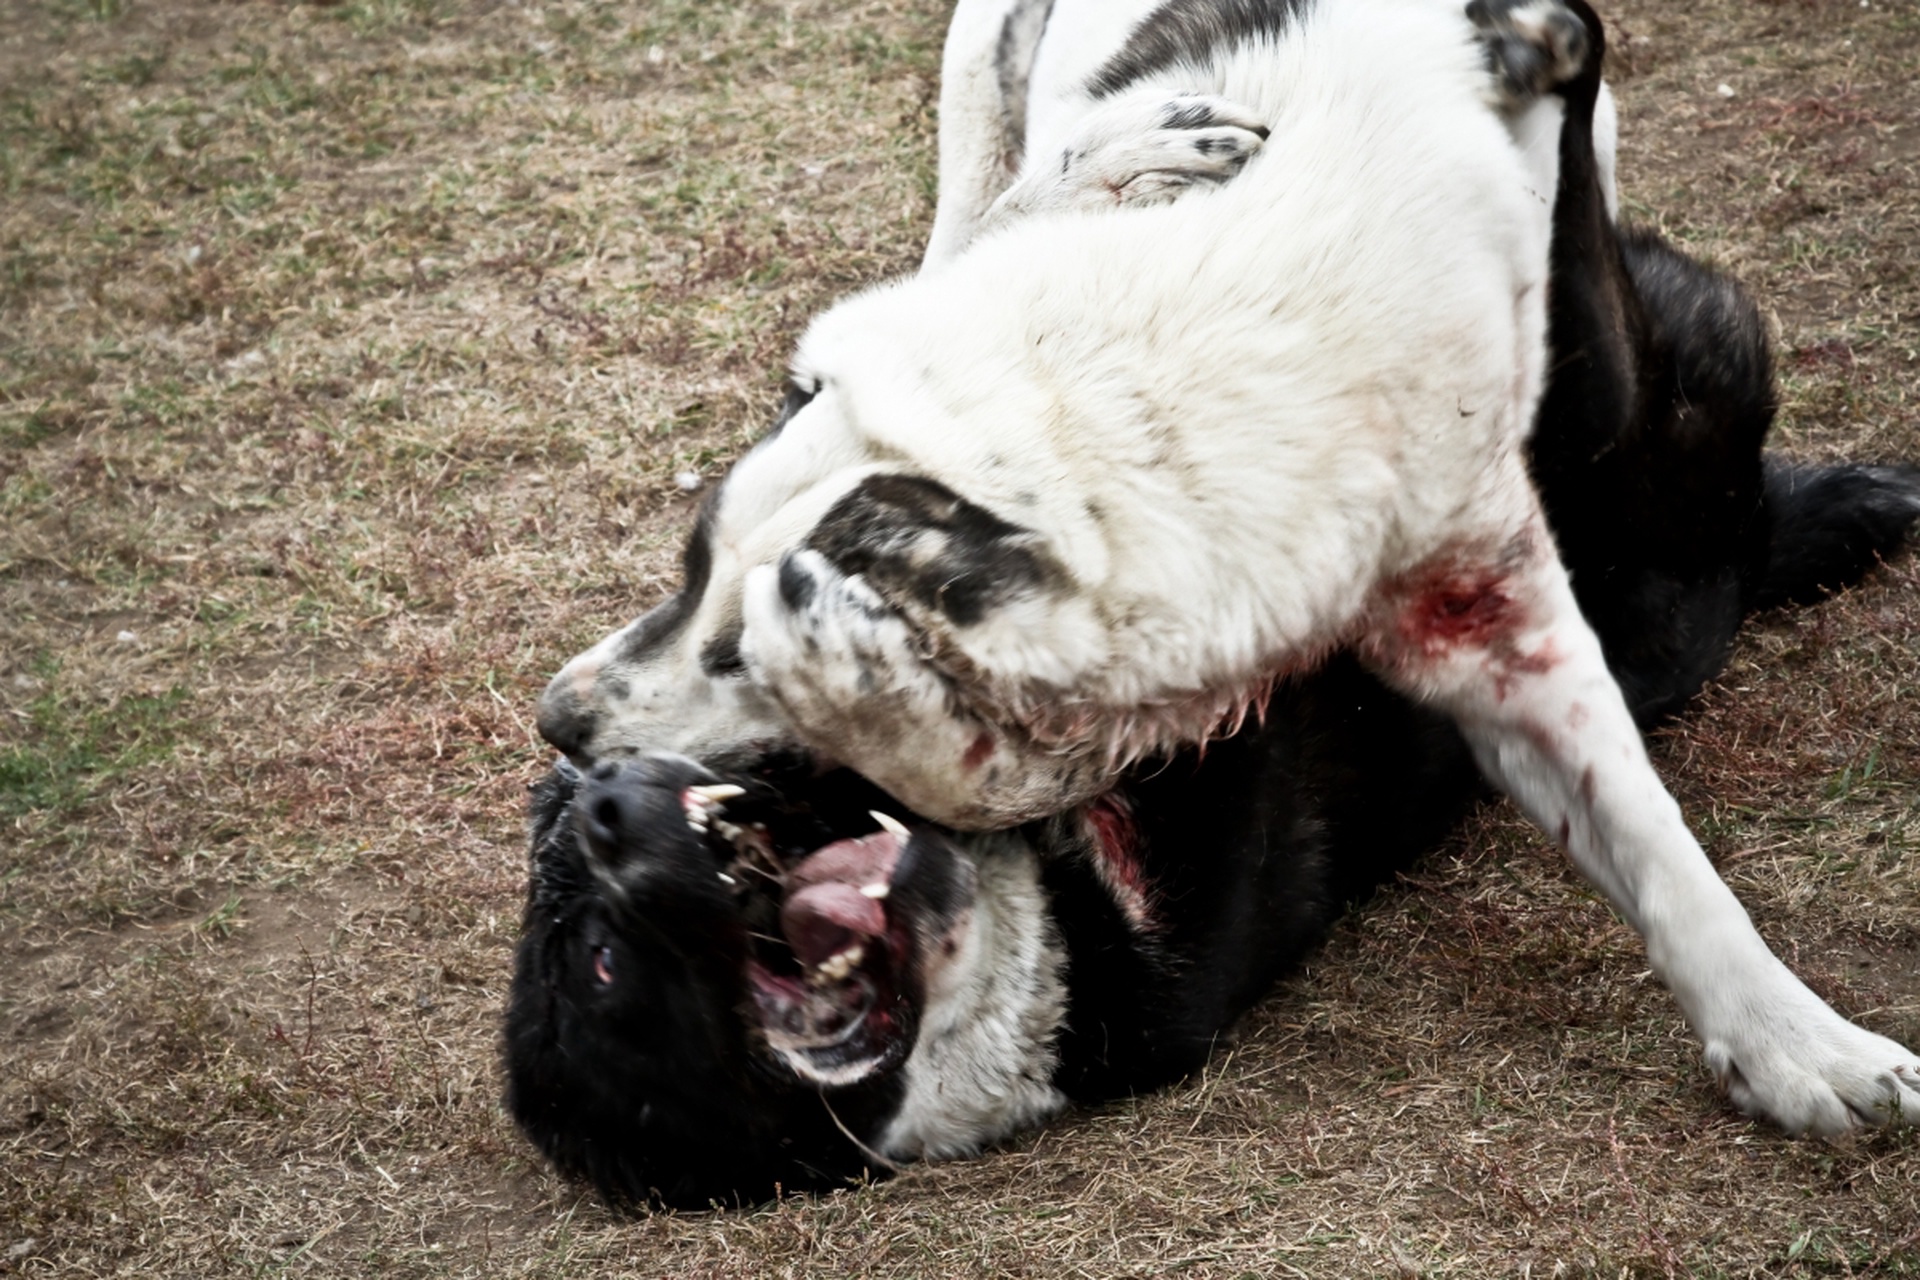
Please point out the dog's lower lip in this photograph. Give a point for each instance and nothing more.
(809, 1012)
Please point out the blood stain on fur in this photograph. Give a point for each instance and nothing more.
(1448, 610)
(978, 752)
(1116, 843)
(1445, 608)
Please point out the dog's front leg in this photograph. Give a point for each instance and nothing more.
(851, 679)
(1492, 635)
(1141, 148)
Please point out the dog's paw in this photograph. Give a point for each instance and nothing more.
(1532, 46)
(843, 665)
(1803, 1067)
(1146, 148)
(1140, 148)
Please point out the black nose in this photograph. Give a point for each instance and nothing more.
(617, 807)
(563, 721)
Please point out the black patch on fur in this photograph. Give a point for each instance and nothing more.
(1186, 115)
(665, 619)
(720, 656)
(1191, 31)
(796, 587)
(915, 539)
(798, 398)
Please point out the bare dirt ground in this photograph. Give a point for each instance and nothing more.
(348, 354)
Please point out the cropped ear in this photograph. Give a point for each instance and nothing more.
(917, 542)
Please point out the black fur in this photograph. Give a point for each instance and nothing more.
(1186, 32)
(648, 1087)
(1830, 522)
(915, 539)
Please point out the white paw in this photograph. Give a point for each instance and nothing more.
(841, 663)
(1805, 1068)
(1532, 45)
(1145, 148)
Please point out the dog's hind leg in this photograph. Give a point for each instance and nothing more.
(1492, 635)
(984, 72)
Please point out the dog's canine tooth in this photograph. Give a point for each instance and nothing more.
(891, 825)
(878, 890)
(717, 794)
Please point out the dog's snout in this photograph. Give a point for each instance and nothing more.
(608, 810)
(562, 720)
(623, 809)
(631, 812)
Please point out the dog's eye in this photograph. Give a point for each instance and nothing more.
(603, 966)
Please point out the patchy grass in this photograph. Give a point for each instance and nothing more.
(347, 354)
(68, 751)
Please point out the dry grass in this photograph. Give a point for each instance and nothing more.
(347, 356)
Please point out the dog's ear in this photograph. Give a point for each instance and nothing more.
(917, 542)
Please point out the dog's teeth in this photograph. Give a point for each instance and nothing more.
(727, 830)
(725, 878)
(717, 794)
(891, 825)
(835, 968)
(697, 825)
(876, 890)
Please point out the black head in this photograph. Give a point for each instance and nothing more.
(700, 1001)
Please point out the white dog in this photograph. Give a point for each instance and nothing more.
(1107, 468)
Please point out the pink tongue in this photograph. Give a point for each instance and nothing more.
(825, 912)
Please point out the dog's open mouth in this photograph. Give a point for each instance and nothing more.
(838, 899)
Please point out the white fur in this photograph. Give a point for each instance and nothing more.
(982, 1066)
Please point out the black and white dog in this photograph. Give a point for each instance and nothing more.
(895, 832)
